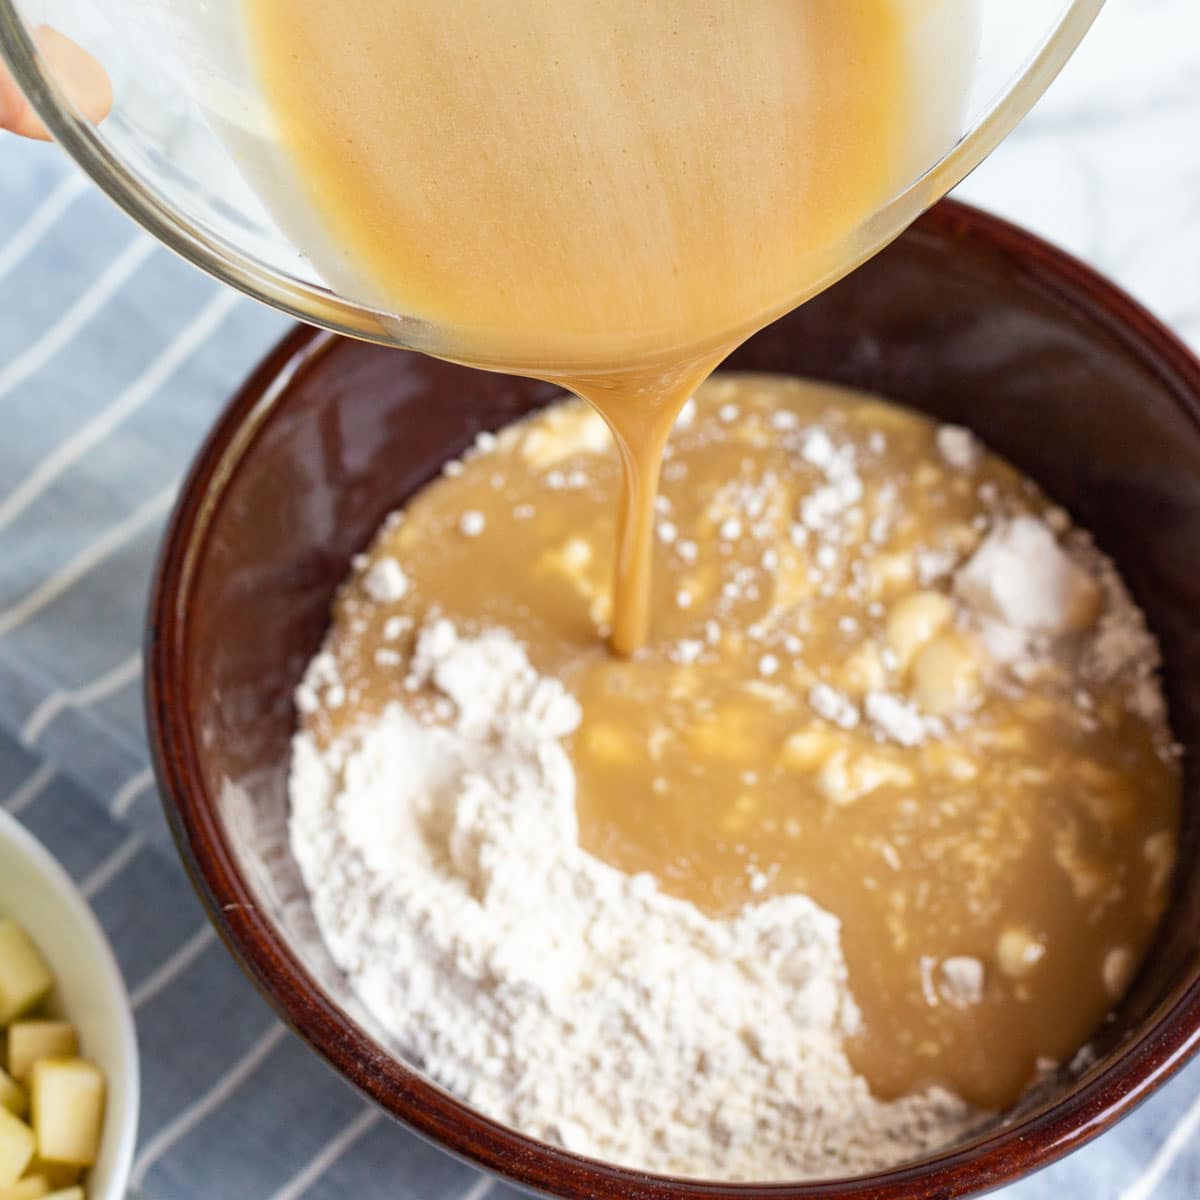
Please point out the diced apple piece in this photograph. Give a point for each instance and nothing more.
(67, 1100)
(56, 1175)
(31, 1187)
(17, 1143)
(12, 1095)
(24, 977)
(30, 1040)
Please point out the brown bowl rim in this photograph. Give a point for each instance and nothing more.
(1131, 1074)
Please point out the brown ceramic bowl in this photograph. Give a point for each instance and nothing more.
(964, 317)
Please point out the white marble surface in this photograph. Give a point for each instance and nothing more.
(1107, 164)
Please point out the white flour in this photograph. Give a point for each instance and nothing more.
(557, 994)
(1021, 580)
(1027, 594)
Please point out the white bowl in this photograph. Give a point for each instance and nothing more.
(89, 991)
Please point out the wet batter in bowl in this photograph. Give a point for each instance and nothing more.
(889, 684)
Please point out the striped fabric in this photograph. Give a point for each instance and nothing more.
(114, 359)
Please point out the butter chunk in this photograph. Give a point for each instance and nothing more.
(1117, 970)
(1018, 952)
(24, 977)
(17, 1143)
(68, 1109)
(958, 447)
(31, 1187)
(945, 676)
(30, 1040)
(846, 777)
(915, 620)
(806, 749)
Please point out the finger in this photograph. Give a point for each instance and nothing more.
(80, 76)
(15, 114)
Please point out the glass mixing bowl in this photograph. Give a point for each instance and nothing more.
(187, 110)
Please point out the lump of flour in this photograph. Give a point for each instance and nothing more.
(1026, 590)
(1022, 577)
(553, 992)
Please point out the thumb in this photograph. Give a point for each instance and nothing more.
(83, 79)
(15, 114)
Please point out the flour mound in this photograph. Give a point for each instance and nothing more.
(556, 994)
